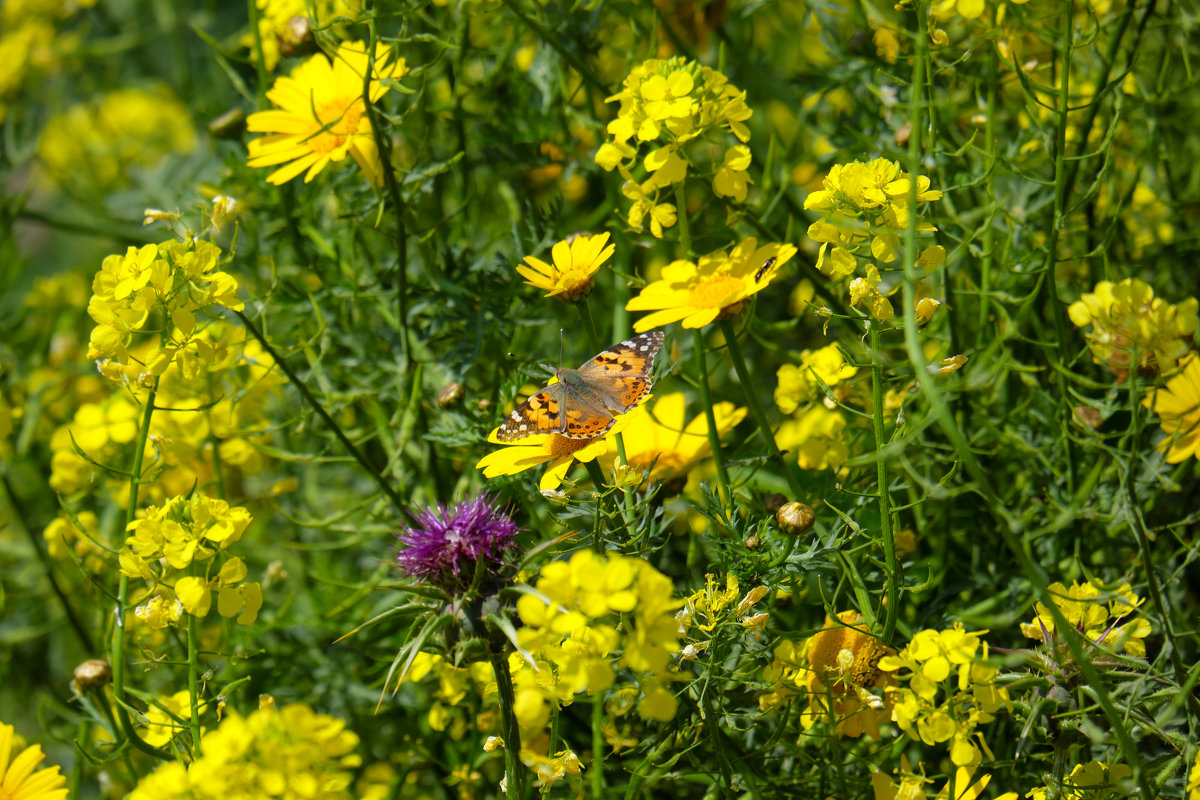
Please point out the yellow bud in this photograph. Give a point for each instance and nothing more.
(795, 518)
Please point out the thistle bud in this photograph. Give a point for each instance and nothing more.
(795, 518)
(92, 674)
(296, 37)
(450, 395)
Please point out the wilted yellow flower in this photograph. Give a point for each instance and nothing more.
(1127, 322)
(321, 117)
(698, 293)
(576, 260)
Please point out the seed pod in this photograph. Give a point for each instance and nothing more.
(795, 518)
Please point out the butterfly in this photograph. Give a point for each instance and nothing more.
(585, 401)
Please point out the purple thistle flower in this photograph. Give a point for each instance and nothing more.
(448, 541)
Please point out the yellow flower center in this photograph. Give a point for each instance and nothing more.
(715, 291)
(669, 461)
(335, 122)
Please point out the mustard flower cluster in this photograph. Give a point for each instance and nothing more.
(665, 105)
(946, 691)
(213, 410)
(290, 753)
(98, 144)
(286, 29)
(185, 533)
(839, 672)
(1130, 328)
(592, 616)
(865, 211)
(174, 281)
(1096, 613)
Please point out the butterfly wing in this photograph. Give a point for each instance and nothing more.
(541, 413)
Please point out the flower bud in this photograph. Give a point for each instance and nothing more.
(795, 518)
(230, 125)
(92, 674)
(296, 37)
(752, 542)
(774, 501)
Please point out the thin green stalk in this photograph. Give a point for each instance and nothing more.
(714, 436)
(756, 409)
(384, 145)
(589, 327)
(117, 657)
(597, 766)
(514, 770)
(193, 660)
(1006, 524)
(315, 405)
(881, 478)
(619, 510)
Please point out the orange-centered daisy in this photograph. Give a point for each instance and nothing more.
(320, 116)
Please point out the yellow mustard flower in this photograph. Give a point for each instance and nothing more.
(282, 34)
(1127, 319)
(800, 384)
(576, 260)
(20, 779)
(816, 437)
(659, 441)
(698, 293)
(321, 117)
(1178, 407)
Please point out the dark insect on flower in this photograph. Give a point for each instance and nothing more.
(766, 265)
(448, 541)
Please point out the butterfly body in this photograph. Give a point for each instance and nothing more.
(584, 403)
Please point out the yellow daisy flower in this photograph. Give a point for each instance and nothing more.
(659, 440)
(1178, 406)
(320, 116)
(576, 260)
(553, 448)
(698, 293)
(19, 779)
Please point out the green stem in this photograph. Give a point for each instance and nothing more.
(357, 454)
(597, 768)
(118, 637)
(193, 660)
(881, 478)
(756, 409)
(514, 770)
(685, 234)
(989, 230)
(589, 327)
(714, 436)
